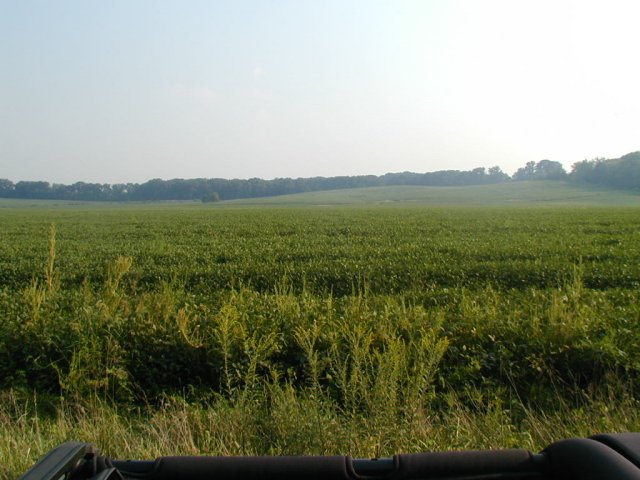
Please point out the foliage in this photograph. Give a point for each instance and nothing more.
(618, 173)
(213, 189)
(289, 422)
(542, 170)
(211, 197)
(132, 304)
(231, 330)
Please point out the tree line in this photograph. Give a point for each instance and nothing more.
(623, 172)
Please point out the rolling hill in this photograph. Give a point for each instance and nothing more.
(513, 193)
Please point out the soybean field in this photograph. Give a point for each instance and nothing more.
(372, 329)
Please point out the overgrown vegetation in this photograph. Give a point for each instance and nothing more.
(362, 331)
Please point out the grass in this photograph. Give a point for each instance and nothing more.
(525, 193)
(284, 421)
(529, 194)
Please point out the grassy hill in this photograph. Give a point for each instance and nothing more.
(515, 193)
(526, 193)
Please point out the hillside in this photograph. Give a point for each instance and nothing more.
(523, 193)
(514, 193)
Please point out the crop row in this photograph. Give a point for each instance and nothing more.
(388, 251)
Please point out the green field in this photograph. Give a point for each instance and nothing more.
(531, 193)
(522, 193)
(394, 324)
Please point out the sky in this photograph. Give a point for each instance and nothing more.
(130, 90)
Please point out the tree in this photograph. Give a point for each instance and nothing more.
(6, 187)
(543, 170)
(584, 171)
(211, 197)
(497, 174)
(549, 170)
(28, 189)
(526, 173)
(623, 172)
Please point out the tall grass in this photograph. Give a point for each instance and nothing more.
(279, 419)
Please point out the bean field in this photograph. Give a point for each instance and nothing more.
(365, 330)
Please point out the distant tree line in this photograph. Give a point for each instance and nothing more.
(215, 189)
(623, 172)
(542, 170)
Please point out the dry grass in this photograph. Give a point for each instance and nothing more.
(279, 420)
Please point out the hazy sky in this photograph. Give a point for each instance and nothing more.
(125, 91)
